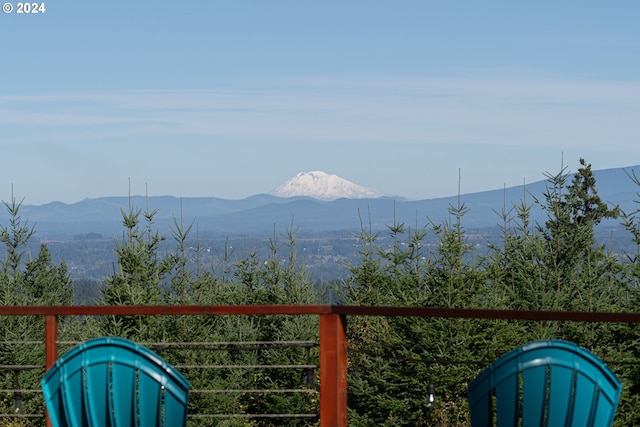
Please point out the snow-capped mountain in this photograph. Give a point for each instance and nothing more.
(323, 186)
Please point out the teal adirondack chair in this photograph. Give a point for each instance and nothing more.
(113, 382)
(545, 383)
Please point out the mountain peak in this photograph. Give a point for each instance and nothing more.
(323, 186)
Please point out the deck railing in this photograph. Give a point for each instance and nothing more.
(332, 340)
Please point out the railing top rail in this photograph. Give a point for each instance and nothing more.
(319, 309)
(482, 313)
(151, 310)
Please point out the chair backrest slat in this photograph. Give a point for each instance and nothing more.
(534, 384)
(122, 395)
(562, 379)
(94, 378)
(506, 393)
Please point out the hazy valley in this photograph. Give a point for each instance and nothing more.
(84, 233)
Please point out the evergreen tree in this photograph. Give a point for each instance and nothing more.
(281, 279)
(393, 360)
(139, 279)
(28, 281)
(572, 217)
(628, 413)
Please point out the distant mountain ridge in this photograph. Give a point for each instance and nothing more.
(259, 214)
(323, 186)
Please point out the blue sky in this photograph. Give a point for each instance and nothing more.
(232, 98)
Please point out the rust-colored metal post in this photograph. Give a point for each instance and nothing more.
(333, 370)
(50, 347)
(50, 340)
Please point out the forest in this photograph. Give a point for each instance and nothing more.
(555, 265)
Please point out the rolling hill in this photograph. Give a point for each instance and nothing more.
(259, 214)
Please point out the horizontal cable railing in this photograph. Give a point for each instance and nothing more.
(247, 368)
(332, 345)
(219, 346)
